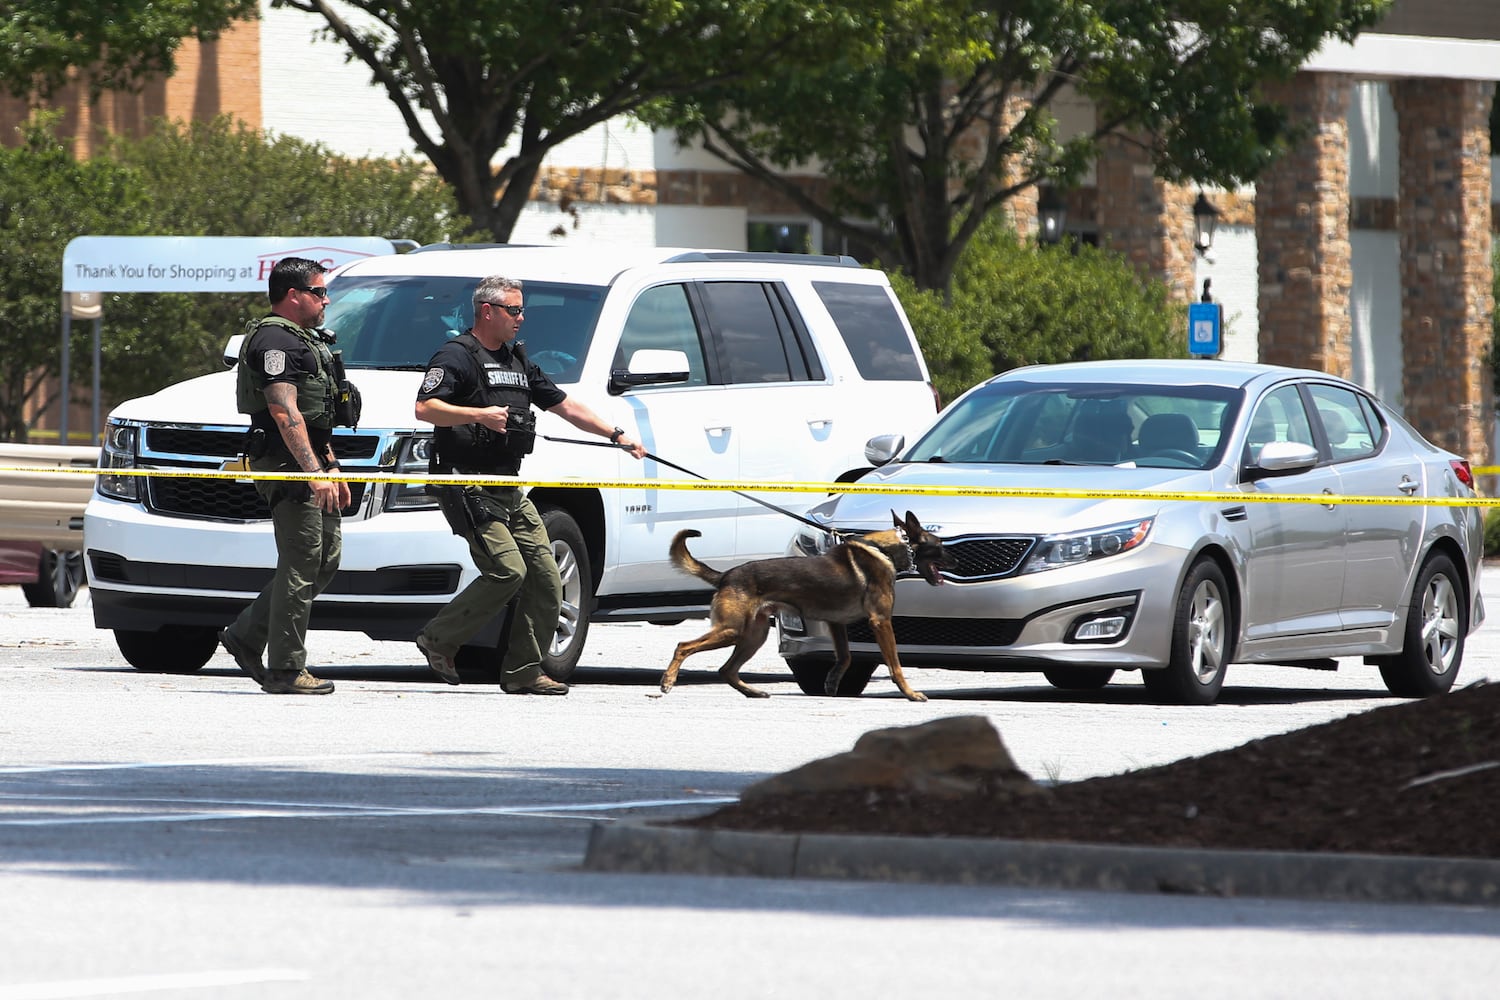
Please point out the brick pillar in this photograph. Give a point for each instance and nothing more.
(1144, 217)
(1446, 294)
(1302, 231)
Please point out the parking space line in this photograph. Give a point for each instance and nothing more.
(342, 811)
(121, 985)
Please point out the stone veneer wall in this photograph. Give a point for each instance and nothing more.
(1144, 217)
(1302, 232)
(1444, 215)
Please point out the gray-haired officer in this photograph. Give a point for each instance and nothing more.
(289, 385)
(478, 393)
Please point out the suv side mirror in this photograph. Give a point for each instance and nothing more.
(881, 449)
(650, 366)
(232, 350)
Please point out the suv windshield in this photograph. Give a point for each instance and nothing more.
(1028, 423)
(398, 322)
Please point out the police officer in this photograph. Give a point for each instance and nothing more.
(288, 386)
(478, 393)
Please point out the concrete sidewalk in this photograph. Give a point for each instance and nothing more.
(640, 847)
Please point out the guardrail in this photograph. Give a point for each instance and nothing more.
(41, 505)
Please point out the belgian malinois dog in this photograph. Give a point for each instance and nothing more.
(854, 580)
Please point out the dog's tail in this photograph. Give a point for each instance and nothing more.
(684, 560)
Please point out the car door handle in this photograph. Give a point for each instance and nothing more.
(718, 431)
(1408, 486)
(818, 424)
(1329, 506)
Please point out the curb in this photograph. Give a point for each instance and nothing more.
(642, 848)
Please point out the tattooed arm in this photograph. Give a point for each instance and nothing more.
(281, 397)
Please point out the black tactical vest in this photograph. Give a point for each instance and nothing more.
(474, 447)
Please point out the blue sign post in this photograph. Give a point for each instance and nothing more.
(1205, 329)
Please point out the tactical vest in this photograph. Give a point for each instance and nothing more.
(315, 393)
(474, 447)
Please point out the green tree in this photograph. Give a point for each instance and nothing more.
(1014, 304)
(473, 78)
(112, 44)
(220, 178)
(46, 198)
(914, 133)
(202, 179)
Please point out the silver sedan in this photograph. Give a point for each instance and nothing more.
(1086, 575)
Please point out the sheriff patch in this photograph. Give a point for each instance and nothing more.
(275, 362)
(432, 379)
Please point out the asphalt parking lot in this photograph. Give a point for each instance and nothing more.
(186, 836)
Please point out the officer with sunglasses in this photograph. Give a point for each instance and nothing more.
(477, 393)
(289, 386)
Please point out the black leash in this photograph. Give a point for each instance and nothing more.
(673, 465)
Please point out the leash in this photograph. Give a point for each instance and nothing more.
(673, 465)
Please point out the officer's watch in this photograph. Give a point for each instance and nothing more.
(615, 437)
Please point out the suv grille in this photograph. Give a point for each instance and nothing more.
(220, 499)
(200, 441)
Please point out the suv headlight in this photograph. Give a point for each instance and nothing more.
(119, 453)
(1076, 547)
(411, 461)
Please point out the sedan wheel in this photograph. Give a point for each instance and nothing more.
(1194, 674)
(1436, 624)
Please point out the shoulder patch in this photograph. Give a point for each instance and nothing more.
(275, 362)
(433, 379)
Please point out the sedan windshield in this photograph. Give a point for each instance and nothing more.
(1031, 423)
(398, 322)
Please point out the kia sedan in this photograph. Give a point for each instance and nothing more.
(1171, 519)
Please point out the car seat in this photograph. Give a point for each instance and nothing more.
(1168, 432)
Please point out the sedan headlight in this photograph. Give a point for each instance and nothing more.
(1076, 547)
(119, 453)
(411, 461)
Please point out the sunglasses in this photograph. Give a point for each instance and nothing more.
(515, 311)
(320, 292)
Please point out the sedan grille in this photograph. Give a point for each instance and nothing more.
(945, 631)
(988, 558)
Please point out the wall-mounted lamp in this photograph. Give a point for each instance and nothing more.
(1205, 221)
(1051, 216)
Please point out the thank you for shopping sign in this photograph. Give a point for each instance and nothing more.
(200, 263)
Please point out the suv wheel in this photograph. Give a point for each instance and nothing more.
(560, 657)
(171, 649)
(59, 575)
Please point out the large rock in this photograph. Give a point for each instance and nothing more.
(946, 757)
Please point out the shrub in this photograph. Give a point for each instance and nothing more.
(1492, 532)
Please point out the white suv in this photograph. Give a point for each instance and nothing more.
(736, 366)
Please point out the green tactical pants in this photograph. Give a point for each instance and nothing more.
(309, 544)
(513, 555)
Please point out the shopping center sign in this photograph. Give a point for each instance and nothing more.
(199, 263)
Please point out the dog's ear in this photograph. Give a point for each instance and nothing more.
(913, 526)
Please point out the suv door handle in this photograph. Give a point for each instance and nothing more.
(818, 423)
(1408, 486)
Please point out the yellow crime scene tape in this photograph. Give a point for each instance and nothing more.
(240, 474)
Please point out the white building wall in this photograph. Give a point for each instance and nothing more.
(1236, 287)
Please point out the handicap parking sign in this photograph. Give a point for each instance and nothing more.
(1205, 329)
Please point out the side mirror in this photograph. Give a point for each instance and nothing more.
(650, 366)
(881, 449)
(1280, 458)
(232, 350)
